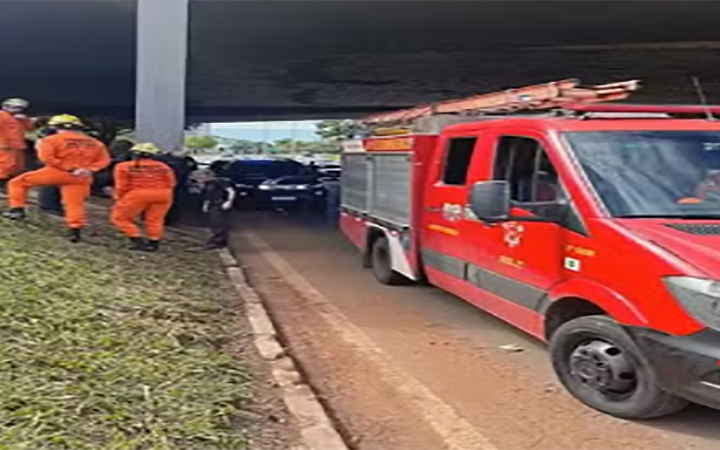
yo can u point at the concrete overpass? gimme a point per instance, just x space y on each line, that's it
295 59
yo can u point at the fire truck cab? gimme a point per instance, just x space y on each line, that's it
597 231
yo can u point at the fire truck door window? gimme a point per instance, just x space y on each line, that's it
457 160
524 163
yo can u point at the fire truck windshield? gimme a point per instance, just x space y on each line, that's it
645 174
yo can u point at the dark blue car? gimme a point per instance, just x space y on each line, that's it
254 178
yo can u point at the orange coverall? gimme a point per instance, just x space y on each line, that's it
12 144
142 186
62 153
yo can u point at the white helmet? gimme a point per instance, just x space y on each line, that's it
15 105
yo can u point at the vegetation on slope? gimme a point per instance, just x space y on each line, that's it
106 350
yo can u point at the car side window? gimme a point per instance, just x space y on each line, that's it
457 160
524 163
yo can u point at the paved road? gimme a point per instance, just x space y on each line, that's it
414 367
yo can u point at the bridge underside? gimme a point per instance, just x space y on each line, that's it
294 59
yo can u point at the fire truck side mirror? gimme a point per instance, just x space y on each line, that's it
490 200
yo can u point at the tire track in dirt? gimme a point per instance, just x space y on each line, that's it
456 432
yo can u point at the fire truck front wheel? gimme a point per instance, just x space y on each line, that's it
600 364
381 259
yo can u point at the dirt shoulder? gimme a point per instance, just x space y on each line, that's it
101 348
369 413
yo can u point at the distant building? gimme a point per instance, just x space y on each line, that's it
204 129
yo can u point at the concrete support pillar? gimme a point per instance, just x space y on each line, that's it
162 35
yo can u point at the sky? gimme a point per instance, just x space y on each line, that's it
266 131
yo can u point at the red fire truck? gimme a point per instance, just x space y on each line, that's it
590 225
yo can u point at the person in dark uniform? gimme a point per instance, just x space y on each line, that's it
119 152
191 163
182 166
219 168
218 196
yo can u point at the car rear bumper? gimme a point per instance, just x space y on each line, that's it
687 366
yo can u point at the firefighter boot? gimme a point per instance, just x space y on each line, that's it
3 186
74 235
152 246
138 244
14 214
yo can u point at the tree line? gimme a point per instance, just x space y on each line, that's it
330 132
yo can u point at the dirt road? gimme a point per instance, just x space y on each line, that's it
416 368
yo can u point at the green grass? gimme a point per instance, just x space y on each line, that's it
106 350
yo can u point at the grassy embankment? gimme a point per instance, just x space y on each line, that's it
106 350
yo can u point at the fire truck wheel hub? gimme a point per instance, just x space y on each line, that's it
604 367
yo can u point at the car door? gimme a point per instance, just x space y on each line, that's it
517 262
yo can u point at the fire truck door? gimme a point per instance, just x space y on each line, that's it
518 262
446 196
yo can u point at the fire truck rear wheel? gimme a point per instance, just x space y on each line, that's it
599 364
382 264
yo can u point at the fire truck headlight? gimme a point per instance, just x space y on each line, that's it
699 297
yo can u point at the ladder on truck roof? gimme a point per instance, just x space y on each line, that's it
554 95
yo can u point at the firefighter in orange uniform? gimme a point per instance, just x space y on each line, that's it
143 186
70 157
13 125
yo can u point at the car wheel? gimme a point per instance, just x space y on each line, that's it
382 264
598 362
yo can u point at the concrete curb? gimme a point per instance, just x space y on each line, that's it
316 428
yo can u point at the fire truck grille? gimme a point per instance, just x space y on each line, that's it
699 229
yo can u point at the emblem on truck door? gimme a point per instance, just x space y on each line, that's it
513 233
452 212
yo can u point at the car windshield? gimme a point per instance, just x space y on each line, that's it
295 180
240 171
673 174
